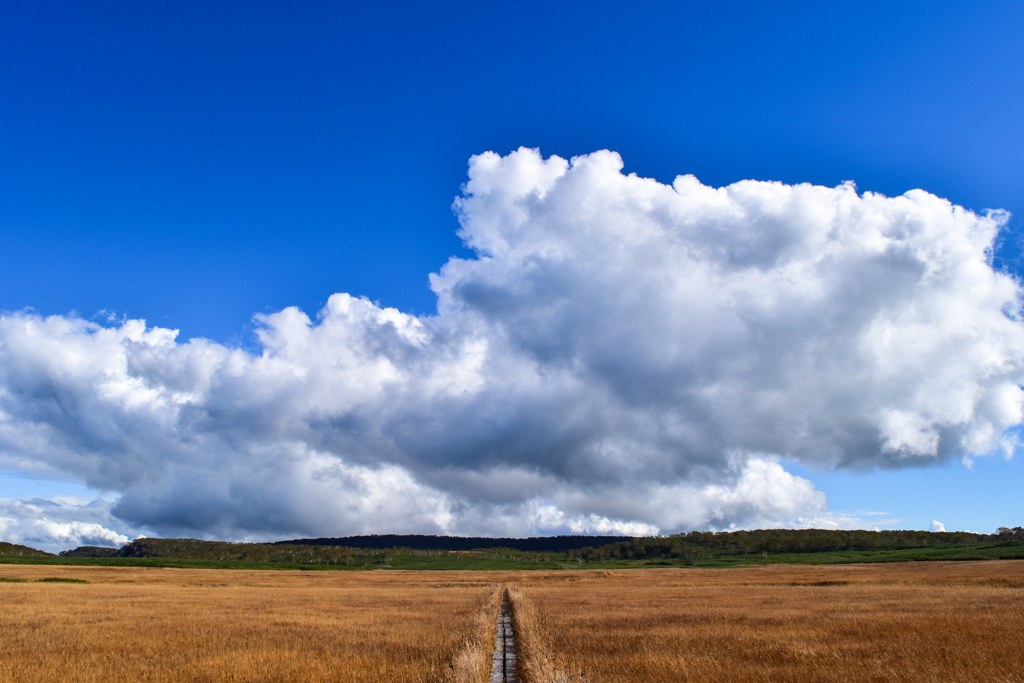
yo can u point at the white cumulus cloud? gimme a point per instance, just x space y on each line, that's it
55 524
620 356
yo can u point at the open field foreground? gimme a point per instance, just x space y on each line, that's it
897 622
134 624
907 622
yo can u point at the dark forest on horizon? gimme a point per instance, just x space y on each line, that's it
698 547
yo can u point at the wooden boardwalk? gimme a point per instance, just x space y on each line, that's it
503 661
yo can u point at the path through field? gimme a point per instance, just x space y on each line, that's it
503 663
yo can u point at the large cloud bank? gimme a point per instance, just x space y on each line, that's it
59 523
620 356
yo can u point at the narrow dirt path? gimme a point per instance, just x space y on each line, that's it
503 661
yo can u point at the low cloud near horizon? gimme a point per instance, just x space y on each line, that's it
621 356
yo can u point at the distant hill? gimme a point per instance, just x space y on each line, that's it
15 549
535 544
421 551
334 550
91 551
697 544
223 551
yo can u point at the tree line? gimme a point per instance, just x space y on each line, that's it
685 546
698 544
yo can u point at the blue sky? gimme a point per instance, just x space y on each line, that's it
194 164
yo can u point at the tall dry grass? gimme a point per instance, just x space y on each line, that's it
472 663
536 662
908 622
134 624
911 622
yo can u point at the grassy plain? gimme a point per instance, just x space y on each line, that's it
139 624
935 621
932 621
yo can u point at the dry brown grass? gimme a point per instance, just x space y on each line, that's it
133 624
534 660
906 622
472 664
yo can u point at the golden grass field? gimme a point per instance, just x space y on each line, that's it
140 624
898 622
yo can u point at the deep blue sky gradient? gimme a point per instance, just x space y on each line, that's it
194 163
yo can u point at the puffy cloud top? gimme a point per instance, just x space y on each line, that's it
621 355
